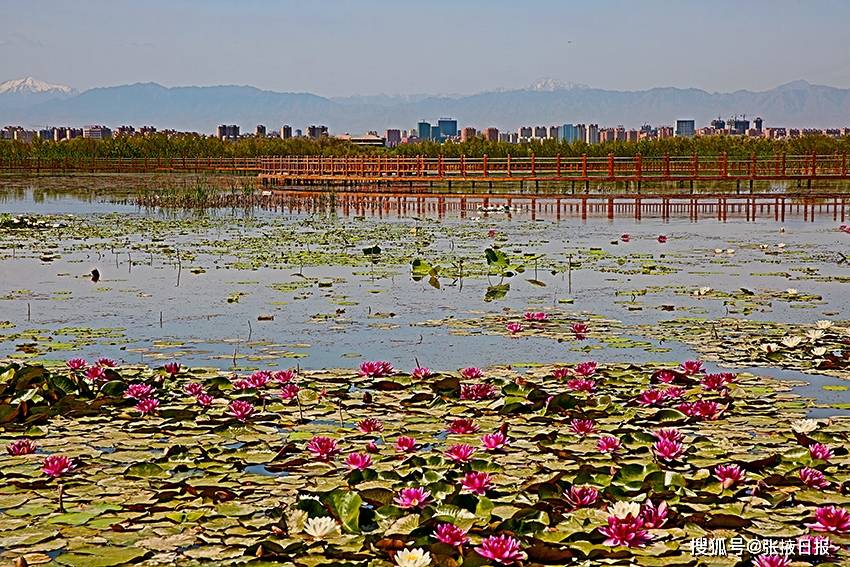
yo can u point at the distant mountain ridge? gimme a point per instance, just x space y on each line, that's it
33 103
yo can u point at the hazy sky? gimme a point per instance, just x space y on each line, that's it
341 47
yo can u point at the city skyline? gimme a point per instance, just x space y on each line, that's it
372 47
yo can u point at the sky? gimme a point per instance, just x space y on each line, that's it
347 47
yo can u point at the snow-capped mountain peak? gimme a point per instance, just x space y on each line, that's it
31 85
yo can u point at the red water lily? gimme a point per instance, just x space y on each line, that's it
494 441
628 531
412 498
76 364
581 385
323 448
421 372
289 390
284 376
728 475
653 516
376 369
535 316
668 450
625 237
476 482
259 379
21 447
358 461
691 367
460 453
240 409
580 330
581 496
96 374
831 519
462 427
561 372
514 328
608 444
503 549
55 466
194 388
820 452
451 534
714 382
471 373
662 239
582 427
370 425
669 433
147 406
477 392
813 478
204 399
105 363
138 391
172 368
405 444
586 369
651 397
665 376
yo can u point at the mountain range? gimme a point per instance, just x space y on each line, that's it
34 103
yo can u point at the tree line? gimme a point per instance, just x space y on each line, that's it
197 146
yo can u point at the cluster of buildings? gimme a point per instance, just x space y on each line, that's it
446 130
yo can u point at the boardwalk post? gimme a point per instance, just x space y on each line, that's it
532 165
462 165
484 166
559 166
509 165
610 166
638 171
584 166
843 164
666 167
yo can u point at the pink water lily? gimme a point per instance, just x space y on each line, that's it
471 373
242 384
494 441
820 452
477 482
460 453
412 498
582 427
370 425
651 397
284 376
714 382
831 519
586 369
728 475
653 516
514 328
534 316
376 369
673 392
626 237
323 448
668 450
580 330
138 391
194 388
628 531
702 409
240 409
259 379
691 367
55 466
813 478
581 385
76 364
503 550
96 374
462 427
421 372
147 406
358 461
581 496
477 392
665 376
451 535
608 444
670 434
172 368
405 444
289 391
105 363
662 239
772 561
204 399
561 372
21 447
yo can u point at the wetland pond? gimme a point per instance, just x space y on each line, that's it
294 429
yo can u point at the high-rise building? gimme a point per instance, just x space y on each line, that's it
568 133
491 134
757 124
260 132
685 129
423 130
393 137
448 127
580 133
540 132
435 133
592 136
738 126
718 124
554 133
524 132
315 132
298 133
285 132
97 132
468 133
225 132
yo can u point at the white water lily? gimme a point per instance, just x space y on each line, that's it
730 250
763 246
804 425
819 351
295 521
769 347
791 291
814 334
823 324
417 557
321 528
718 250
781 245
702 290
792 342
622 509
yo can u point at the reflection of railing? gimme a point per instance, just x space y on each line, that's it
127 165
611 168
